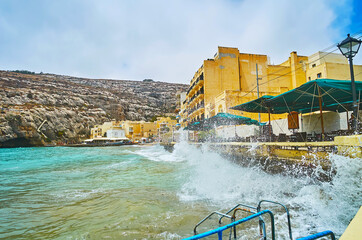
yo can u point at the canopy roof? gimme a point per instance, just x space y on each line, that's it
198 126
336 95
193 126
220 119
229 119
257 105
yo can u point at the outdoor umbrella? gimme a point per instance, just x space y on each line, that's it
258 105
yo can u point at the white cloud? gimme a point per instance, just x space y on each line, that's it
164 40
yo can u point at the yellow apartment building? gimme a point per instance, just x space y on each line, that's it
132 129
136 130
230 78
165 124
183 111
331 65
100 130
149 129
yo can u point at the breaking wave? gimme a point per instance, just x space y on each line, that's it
314 205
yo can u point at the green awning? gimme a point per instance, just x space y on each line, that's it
193 126
257 105
229 119
336 95
197 126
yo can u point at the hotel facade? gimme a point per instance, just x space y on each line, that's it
231 78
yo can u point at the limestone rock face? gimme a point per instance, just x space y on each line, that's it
38 109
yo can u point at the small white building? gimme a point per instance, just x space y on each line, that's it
116 133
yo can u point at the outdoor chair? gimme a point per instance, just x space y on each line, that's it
282 137
301 136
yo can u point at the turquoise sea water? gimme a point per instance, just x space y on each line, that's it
135 192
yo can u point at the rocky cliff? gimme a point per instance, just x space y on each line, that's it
41 108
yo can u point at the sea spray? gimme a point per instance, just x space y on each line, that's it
314 205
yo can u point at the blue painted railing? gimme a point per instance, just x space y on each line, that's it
319 235
286 210
219 231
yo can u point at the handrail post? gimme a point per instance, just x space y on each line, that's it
235 208
286 210
321 111
261 222
233 224
203 220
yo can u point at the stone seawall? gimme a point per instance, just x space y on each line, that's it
292 158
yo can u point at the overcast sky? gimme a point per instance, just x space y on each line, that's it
163 40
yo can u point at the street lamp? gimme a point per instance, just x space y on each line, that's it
349 48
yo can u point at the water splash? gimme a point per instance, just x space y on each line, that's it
314 205
157 153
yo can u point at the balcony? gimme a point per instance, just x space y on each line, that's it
196 95
196 83
199 106
197 119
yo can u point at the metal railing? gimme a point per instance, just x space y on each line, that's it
256 213
208 216
319 235
236 206
219 231
286 210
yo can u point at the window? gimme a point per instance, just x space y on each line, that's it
319 75
313 65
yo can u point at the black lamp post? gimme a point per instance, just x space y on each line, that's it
349 48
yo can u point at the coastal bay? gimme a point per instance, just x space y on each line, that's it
145 192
